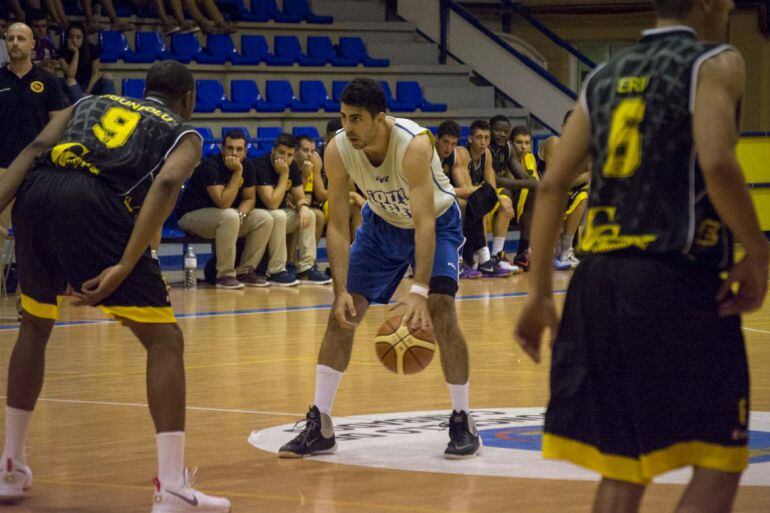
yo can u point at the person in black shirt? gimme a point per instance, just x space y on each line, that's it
218 203
84 215
280 191
29 98
649 371
79 61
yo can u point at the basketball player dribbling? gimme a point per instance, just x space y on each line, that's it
649 369
411 217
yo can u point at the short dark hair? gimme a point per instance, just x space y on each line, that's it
673 8
286 139
448 127
365 93
520 130
234 135
499 119
479 124
37 15
304 137
171 79
333 125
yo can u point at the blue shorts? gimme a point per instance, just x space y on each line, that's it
381 253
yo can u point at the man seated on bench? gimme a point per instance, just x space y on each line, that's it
218 203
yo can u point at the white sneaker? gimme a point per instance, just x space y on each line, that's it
505 265
185 499
15 479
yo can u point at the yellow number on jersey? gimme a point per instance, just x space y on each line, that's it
624 152
116 126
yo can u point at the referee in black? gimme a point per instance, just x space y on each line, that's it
29 97
649 369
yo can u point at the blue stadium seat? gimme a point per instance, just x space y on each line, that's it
312 97
210 95
320 52
210 143
393 104
266 136
269 8
353 48
302 9
288 49
410 92
244 96
114 46
306 130
465 133
219 48
133 87
148 47
185 47
242 13
278 96
253 50
333 105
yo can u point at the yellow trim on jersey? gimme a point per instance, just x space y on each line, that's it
647 466
530 165
42 310
145 314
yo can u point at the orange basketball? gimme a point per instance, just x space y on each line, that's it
402 350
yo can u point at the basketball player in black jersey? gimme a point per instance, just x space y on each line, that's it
109 175
512 176
649 369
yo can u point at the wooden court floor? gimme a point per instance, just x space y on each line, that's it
250 359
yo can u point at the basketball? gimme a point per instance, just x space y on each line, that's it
402 350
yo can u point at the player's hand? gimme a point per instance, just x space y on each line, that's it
345 311
94 290
506 205
281 166
750 275
233 164
535 317
307 170
416 315
305 216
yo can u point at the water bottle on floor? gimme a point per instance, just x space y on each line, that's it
190 268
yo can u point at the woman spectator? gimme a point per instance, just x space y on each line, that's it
79 62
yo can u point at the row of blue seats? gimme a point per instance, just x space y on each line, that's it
279 96
264 138
294 11
151 47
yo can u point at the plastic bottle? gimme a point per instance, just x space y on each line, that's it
190 268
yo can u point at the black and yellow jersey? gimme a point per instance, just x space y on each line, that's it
448 164
647 192
476 171
501 157
122 141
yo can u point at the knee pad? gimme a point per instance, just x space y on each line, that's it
443 285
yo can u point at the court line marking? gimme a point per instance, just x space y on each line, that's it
755 329
257 311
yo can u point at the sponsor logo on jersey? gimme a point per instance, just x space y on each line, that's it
37 87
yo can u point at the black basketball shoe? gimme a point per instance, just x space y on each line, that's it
464 440
317 437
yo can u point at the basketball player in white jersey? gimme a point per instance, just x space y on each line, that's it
411 218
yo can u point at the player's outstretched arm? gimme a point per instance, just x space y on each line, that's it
157 206
539 312
719 92
14 175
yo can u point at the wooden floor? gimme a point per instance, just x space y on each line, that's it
250 365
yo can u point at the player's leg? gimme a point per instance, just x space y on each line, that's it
464 441
524 208
256 228
709 491
576 207
613 496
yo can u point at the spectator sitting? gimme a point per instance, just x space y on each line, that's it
53 8
332 127
79 61
109 7
218 203
310 166
278 178
45 53
4 59
216 25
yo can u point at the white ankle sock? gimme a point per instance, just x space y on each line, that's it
459 395
16 427
170 458
483 255
326 382
498 243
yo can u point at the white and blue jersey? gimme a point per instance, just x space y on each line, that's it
384 244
